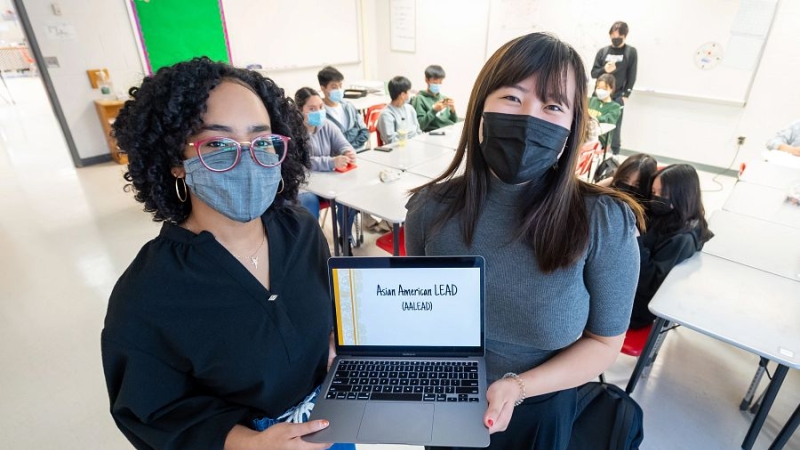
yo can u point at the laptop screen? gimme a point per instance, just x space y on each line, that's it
403 303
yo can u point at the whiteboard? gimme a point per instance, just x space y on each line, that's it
666 34
292 34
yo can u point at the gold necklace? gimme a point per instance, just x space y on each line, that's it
253 258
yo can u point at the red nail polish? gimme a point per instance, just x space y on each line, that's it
491 422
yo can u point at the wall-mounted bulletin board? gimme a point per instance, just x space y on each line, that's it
170 31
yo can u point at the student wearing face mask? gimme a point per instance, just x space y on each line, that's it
434 110
561 254
634 177
676 230
399 117
620 60
602 108
338 110
221 325
328 148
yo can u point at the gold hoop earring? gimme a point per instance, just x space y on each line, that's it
178 190
282 186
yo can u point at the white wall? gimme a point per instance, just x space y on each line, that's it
453 34
103 38
706 133
450 33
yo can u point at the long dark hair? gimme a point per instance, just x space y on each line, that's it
553 218
154 126
641 163
681 185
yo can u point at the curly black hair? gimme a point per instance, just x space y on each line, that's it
154 126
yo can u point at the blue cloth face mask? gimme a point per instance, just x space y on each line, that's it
435 88
336 95
242 193
316 118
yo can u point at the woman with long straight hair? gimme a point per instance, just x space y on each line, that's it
676 230
561 255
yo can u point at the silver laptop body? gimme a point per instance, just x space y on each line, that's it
409 335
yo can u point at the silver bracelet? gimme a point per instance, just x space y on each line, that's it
521 387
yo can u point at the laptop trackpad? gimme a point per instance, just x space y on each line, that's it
392 422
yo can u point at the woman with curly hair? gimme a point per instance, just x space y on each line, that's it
220 326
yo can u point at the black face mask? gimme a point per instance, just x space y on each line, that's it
616 42
660 206
520 148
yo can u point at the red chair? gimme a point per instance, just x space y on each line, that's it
635 341
386 242
372 115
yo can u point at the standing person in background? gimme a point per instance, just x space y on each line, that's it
618 59
399 116
434 110
339 111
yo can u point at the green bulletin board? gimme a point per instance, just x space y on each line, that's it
171 31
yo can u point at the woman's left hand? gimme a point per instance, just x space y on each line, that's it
502 395
331 351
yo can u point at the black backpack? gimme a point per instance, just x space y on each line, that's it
606 419
606 169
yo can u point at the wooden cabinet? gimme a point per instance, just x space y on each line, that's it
107 110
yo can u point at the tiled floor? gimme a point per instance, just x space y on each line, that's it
66 235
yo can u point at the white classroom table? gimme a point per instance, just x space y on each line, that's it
436 167
450 139
384 200
415 152
329 185
756 243
764 173
763 202
748 308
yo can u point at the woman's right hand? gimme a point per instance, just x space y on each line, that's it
340 162
286 436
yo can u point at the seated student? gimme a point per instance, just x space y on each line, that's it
676 230
634 177
787 140
398 116
784 148
341 112
434 110
329 149
601 107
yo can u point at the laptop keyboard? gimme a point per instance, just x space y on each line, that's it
424 381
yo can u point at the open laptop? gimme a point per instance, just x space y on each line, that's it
409 335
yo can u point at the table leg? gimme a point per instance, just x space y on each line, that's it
787 431
346 232
396 239
335 227
763 411
751 391
2 77
644 358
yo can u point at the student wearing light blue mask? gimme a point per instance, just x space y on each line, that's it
339 111
434 110
329 148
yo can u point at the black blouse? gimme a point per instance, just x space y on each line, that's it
193 345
